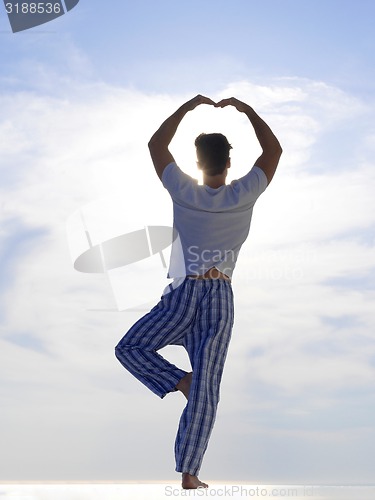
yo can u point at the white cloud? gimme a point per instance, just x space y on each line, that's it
67 152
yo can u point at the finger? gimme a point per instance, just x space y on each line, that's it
223 103
200 99
206 100
210 101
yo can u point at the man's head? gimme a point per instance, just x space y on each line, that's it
213 153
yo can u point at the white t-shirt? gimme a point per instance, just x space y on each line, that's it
210 225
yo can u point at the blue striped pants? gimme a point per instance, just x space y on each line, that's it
197 315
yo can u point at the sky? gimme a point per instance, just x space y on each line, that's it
80 97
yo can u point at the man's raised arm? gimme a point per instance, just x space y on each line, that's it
272 150
159 142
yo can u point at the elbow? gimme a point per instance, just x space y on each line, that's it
273 149
278 151
152 146
151 143
154 139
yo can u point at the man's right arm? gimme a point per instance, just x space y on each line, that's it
269 159
159 142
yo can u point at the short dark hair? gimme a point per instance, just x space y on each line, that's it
213 152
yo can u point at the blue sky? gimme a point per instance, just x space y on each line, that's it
137 43
80 97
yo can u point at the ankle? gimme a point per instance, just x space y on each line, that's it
184 384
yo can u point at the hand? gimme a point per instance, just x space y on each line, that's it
232 101
197 100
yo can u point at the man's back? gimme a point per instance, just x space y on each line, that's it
211 224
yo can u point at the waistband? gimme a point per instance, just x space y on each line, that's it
212 273
179 281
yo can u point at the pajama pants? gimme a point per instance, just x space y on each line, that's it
197 315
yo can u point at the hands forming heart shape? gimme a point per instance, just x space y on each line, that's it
231 101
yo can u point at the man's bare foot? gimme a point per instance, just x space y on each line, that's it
184 384
190 482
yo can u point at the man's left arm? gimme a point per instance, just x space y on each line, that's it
269 159
159 142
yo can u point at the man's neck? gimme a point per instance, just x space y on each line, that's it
214 181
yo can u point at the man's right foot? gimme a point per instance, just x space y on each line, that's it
190 482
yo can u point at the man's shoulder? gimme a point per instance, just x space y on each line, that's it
173 176
254 172
254 180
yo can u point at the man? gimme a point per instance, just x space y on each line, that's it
212 221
